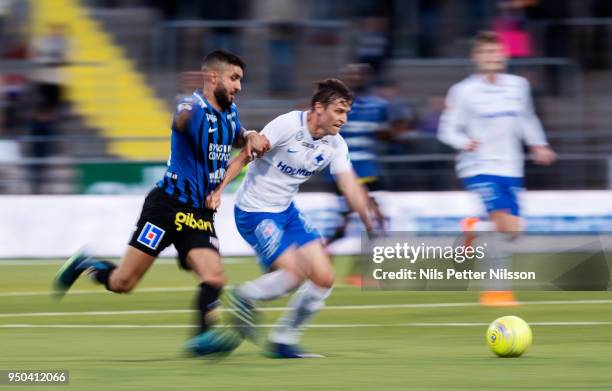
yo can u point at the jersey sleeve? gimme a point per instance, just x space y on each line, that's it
533 133
184 104
341 161
454 119
278 132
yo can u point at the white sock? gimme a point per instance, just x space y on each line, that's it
304 304
269 286
500 257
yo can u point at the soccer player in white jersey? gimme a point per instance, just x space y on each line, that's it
488 118
289 249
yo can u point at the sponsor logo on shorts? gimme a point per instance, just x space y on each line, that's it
150 236
188 220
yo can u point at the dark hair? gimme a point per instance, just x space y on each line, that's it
221 56
485 37
328 90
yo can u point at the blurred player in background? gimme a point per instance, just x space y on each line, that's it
366 126
204 128
488 117
289 249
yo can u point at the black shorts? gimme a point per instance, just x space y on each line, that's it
165 220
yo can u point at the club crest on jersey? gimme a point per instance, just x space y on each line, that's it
150 236
299 135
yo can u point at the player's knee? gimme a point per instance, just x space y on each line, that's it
325 279
122 284
216 279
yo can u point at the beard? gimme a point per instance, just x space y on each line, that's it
222 97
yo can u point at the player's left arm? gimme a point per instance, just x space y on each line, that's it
356 196
213 201
354 192
533 133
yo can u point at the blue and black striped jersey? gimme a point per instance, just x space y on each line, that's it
200 154
369 114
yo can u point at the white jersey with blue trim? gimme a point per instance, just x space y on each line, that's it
499 116
294 156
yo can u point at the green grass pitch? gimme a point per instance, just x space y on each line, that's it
372 340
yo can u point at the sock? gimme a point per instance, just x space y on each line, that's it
101 271
304 305
500 257
206 301
270 286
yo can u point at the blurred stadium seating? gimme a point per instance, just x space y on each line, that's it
126 58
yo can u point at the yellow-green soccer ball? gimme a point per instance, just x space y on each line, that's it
509 336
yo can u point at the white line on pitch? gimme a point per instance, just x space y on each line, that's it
276 309
321 326
97 291
160 261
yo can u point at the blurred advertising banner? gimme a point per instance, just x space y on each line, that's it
55 226
124 178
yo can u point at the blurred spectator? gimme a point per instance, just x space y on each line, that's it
282 17
50 55
402 119
510 26
4 13
430 26
373 45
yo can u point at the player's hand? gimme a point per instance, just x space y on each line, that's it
256 145
377 215
213 201
543 154
472 146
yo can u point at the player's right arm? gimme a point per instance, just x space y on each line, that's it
454 119
182 115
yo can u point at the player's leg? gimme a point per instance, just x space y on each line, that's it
121 278
207 266
503 208
277 255
375 191
316 266
151 236
305 303
266 233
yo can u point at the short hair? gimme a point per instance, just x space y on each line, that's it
328 90
485 37
217 57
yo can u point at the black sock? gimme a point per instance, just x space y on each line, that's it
206 301
102 271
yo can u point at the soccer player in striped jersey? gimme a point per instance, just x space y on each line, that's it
367 123
488 118
204 128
